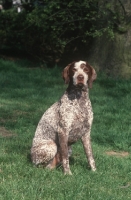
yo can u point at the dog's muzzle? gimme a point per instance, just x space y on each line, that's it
80 79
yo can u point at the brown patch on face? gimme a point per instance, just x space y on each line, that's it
119 154
68 72
72 70
84 67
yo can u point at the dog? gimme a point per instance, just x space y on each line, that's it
66 121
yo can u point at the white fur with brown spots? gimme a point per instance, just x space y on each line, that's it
66 121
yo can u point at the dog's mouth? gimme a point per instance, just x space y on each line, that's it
81 84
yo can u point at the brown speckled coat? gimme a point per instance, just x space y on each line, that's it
66 121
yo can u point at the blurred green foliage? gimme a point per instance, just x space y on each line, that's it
51 28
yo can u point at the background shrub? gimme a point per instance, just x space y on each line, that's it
52 28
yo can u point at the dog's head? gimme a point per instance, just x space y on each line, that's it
79 74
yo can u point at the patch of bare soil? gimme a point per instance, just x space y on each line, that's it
119 154
5 133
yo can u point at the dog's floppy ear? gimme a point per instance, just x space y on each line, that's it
65 73
92 76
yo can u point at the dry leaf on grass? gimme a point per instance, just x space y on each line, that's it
115 153
5 133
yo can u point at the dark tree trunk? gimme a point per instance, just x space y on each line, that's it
114 56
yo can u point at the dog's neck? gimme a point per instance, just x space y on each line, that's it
77 92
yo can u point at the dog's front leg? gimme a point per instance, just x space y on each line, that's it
63 141
88 150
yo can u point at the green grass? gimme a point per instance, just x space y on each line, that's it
25 93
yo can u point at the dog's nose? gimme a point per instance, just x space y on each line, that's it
80 77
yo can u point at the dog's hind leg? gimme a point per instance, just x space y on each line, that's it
57 160
43 151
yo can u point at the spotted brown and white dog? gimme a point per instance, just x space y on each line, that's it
66 121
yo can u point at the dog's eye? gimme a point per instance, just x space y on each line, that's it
86 70
74 70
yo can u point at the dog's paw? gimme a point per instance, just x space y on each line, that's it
68 172
93 169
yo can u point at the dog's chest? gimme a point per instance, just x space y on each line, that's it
75 117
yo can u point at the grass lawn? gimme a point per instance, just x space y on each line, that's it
25 93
